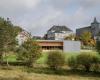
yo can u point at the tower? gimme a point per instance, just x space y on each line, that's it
95 27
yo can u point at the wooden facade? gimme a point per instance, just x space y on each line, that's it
51 45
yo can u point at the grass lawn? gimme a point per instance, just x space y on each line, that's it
10 58
43 58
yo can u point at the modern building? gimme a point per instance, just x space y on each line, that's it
58 33
63 45
94 29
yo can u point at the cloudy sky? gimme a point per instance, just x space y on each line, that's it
37 16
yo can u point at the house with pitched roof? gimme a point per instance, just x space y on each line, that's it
58 32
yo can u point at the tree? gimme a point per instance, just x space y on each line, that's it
70 37
17 29
7 36
55 59
85 38
1 44
92 42
29 52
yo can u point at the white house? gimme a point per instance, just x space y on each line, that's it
58 32
22 37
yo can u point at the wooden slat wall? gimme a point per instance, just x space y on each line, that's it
50 43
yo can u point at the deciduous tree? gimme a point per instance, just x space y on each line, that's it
7 36
29 51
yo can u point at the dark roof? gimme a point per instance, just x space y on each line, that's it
59 28
88 27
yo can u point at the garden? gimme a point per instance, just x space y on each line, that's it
54 65
28 62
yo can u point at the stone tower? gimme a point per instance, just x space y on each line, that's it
95 27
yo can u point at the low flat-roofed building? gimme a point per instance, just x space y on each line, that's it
51 44
64 45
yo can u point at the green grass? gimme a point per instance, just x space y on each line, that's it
43 58
10 58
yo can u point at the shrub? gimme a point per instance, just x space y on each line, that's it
96 67
55 59
72 62
87 60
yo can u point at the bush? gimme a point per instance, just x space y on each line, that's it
96 67
87 60
72 62
55 59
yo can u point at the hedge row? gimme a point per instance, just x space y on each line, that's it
84 61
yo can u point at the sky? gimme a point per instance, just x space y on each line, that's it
37 16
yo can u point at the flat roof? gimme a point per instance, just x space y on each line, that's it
56 40
50 40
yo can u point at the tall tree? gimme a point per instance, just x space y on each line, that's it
7 36
1 41
17 29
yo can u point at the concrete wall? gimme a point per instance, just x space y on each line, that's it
71 46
